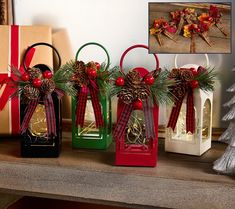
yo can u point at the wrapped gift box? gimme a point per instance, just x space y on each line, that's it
14 41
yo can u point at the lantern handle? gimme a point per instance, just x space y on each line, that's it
206 56
38 44
133 47
97 44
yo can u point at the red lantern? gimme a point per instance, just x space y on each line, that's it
137 154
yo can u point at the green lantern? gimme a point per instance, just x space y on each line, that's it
91 108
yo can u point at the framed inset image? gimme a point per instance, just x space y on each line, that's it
190 27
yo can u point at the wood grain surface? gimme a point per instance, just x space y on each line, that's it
178 181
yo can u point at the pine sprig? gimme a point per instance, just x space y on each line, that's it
103 79
62 78
115 72
160 88
206 79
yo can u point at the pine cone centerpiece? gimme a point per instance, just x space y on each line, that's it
30 92
80 77
34 73
48 86
135 88
133 78
126 95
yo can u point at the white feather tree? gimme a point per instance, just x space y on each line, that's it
226 163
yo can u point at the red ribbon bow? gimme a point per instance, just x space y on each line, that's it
50 112
190 113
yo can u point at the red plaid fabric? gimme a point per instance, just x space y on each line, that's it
190 114
122 121
149 120
81 106
29 113
175 113
97 107
50 115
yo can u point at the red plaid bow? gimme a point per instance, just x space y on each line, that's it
190 114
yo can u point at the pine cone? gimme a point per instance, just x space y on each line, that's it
91 65
133 78
34 73
126 95
141 93
48 86
80 77
79 66
30 92
175 73
186 74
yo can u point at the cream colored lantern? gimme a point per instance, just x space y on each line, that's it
178 140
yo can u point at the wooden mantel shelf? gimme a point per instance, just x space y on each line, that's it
179 181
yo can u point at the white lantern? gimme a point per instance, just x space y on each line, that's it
178 140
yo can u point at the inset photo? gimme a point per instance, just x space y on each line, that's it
190 27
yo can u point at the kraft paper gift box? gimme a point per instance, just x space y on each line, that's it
14 41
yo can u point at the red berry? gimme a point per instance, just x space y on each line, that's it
138 105
97 65
37 82
194 84
194 71
25 77
149 80
91 72
47 74
120 81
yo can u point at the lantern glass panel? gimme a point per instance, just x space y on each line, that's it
38 123
89 128
180 132
206 124
135 131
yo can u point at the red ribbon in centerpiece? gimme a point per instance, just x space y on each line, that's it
123 120
85 80
190 114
